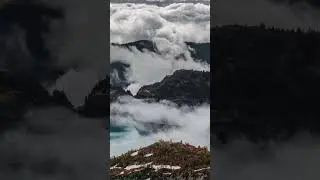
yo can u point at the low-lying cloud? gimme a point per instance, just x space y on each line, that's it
191 125
55 143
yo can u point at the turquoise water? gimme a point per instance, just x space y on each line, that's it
118 131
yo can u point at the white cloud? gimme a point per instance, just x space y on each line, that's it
175 22
132 113
147 68
54 143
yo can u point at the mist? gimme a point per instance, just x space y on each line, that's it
188 124
54 143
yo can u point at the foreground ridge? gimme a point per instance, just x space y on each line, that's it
162 160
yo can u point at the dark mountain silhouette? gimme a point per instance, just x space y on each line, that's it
140 45
97 103
198 51
183 87
265 82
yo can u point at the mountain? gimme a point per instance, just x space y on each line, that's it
162 160
97 103
265 82
140 45
182 87
199 51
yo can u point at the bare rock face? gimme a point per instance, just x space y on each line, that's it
183 87
265 82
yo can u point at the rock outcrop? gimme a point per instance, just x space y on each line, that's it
183 87
97 103
141 45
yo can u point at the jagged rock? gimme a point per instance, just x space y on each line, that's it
199 51
60 98
183 87
265 82
140 45
97 103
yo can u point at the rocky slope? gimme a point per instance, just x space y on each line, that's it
97 103
265 82
162 160
184 87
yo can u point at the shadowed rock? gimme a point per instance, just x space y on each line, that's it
97 103
184 87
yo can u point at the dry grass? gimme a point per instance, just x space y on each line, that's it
188 157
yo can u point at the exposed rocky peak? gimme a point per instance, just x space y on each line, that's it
182 87
97 103
141 45
199 51
266 82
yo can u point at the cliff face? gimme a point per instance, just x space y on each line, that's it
265 82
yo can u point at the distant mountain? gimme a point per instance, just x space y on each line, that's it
97 103
265 82
182 87
199 51
162 160
140 45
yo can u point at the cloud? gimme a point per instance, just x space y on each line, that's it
54 143
194 123
147 68
175 23
296 159
80 43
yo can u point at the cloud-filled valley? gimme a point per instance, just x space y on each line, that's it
168 27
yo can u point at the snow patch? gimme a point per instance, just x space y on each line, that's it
135 166
115 167
158 167
135 153
197 170
148 155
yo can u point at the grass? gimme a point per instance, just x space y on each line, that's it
186 156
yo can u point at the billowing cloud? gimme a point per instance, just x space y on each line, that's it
54 143
193 124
